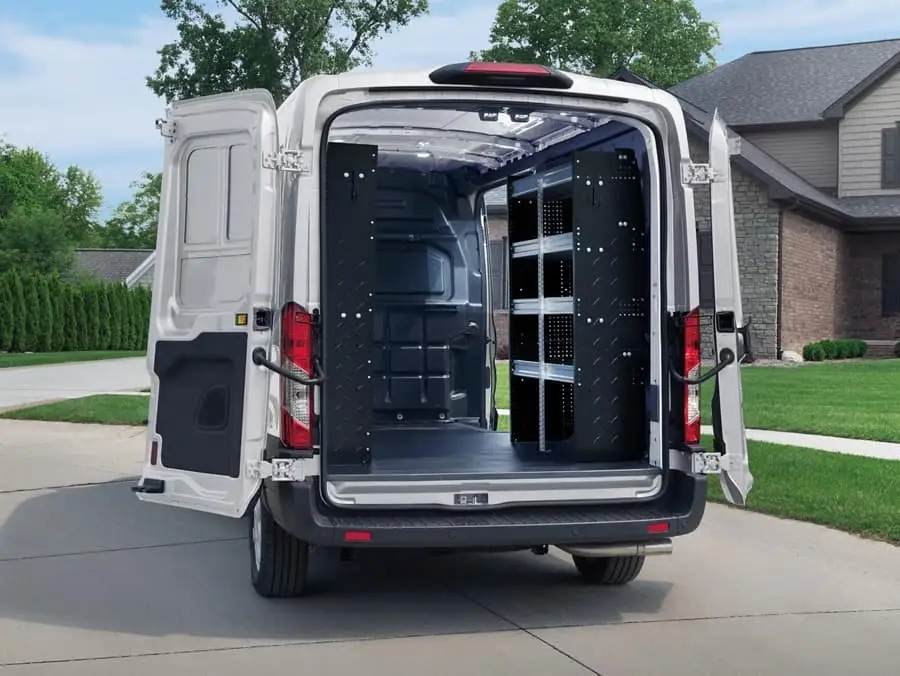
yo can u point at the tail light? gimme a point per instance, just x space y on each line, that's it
297 414
692 371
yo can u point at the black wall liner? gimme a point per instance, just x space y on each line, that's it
201 402
612 288
348 274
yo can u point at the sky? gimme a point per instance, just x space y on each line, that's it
72 71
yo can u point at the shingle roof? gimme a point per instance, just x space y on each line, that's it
109 265
795 85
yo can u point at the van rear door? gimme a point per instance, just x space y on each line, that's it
212 302
729 327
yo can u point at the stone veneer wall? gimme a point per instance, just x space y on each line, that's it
757 224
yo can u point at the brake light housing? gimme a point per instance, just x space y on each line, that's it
692 371
497 74
297 401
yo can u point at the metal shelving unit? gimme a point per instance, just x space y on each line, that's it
582 226
546 289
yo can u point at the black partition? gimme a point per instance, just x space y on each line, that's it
611 331
348 276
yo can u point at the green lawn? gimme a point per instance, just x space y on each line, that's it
104 409
11 360
856 400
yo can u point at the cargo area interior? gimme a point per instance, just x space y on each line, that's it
407 336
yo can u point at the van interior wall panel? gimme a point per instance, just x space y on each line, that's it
612 282
199 415
348 274
430 335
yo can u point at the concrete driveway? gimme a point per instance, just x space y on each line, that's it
93 582
20 386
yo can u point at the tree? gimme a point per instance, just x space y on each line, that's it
60 314
665 41
31 184
273 44
19 313
45 316
133 222
7 318
105 318
35 240
32 323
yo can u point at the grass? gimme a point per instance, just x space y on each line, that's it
14 359
855 400
103 409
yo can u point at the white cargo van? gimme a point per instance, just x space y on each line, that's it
322 343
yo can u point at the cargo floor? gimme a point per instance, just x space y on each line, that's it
457 450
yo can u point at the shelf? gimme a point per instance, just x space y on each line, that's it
547 306
560 373
553 244
529 184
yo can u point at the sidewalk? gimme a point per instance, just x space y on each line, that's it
860 447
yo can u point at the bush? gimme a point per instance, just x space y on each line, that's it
40 313
897 349
814 352
835 349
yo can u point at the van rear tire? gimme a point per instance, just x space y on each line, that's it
279 562
611 571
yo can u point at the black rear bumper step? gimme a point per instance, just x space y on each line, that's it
298 508
150 486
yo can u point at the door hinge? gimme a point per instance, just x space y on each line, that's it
291 161
699 174
166 128
283 469
701 463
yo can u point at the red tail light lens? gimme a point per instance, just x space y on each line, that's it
692 371
487 68
297 414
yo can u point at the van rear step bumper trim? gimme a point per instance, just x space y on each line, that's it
632 485
300 510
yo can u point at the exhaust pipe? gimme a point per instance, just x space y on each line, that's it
626 549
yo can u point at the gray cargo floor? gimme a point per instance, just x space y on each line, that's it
454 449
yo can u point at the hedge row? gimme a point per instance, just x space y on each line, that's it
46 314
823 350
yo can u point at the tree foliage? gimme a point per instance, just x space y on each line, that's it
665 41
44 212
133 222
271 44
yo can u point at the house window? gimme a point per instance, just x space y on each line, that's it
707 282
890 157
890 284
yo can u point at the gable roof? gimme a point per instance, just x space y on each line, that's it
109 265
792 85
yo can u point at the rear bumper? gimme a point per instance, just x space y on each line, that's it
299 509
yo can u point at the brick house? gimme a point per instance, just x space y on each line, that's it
816 190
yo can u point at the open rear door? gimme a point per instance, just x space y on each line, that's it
212 303
729 327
